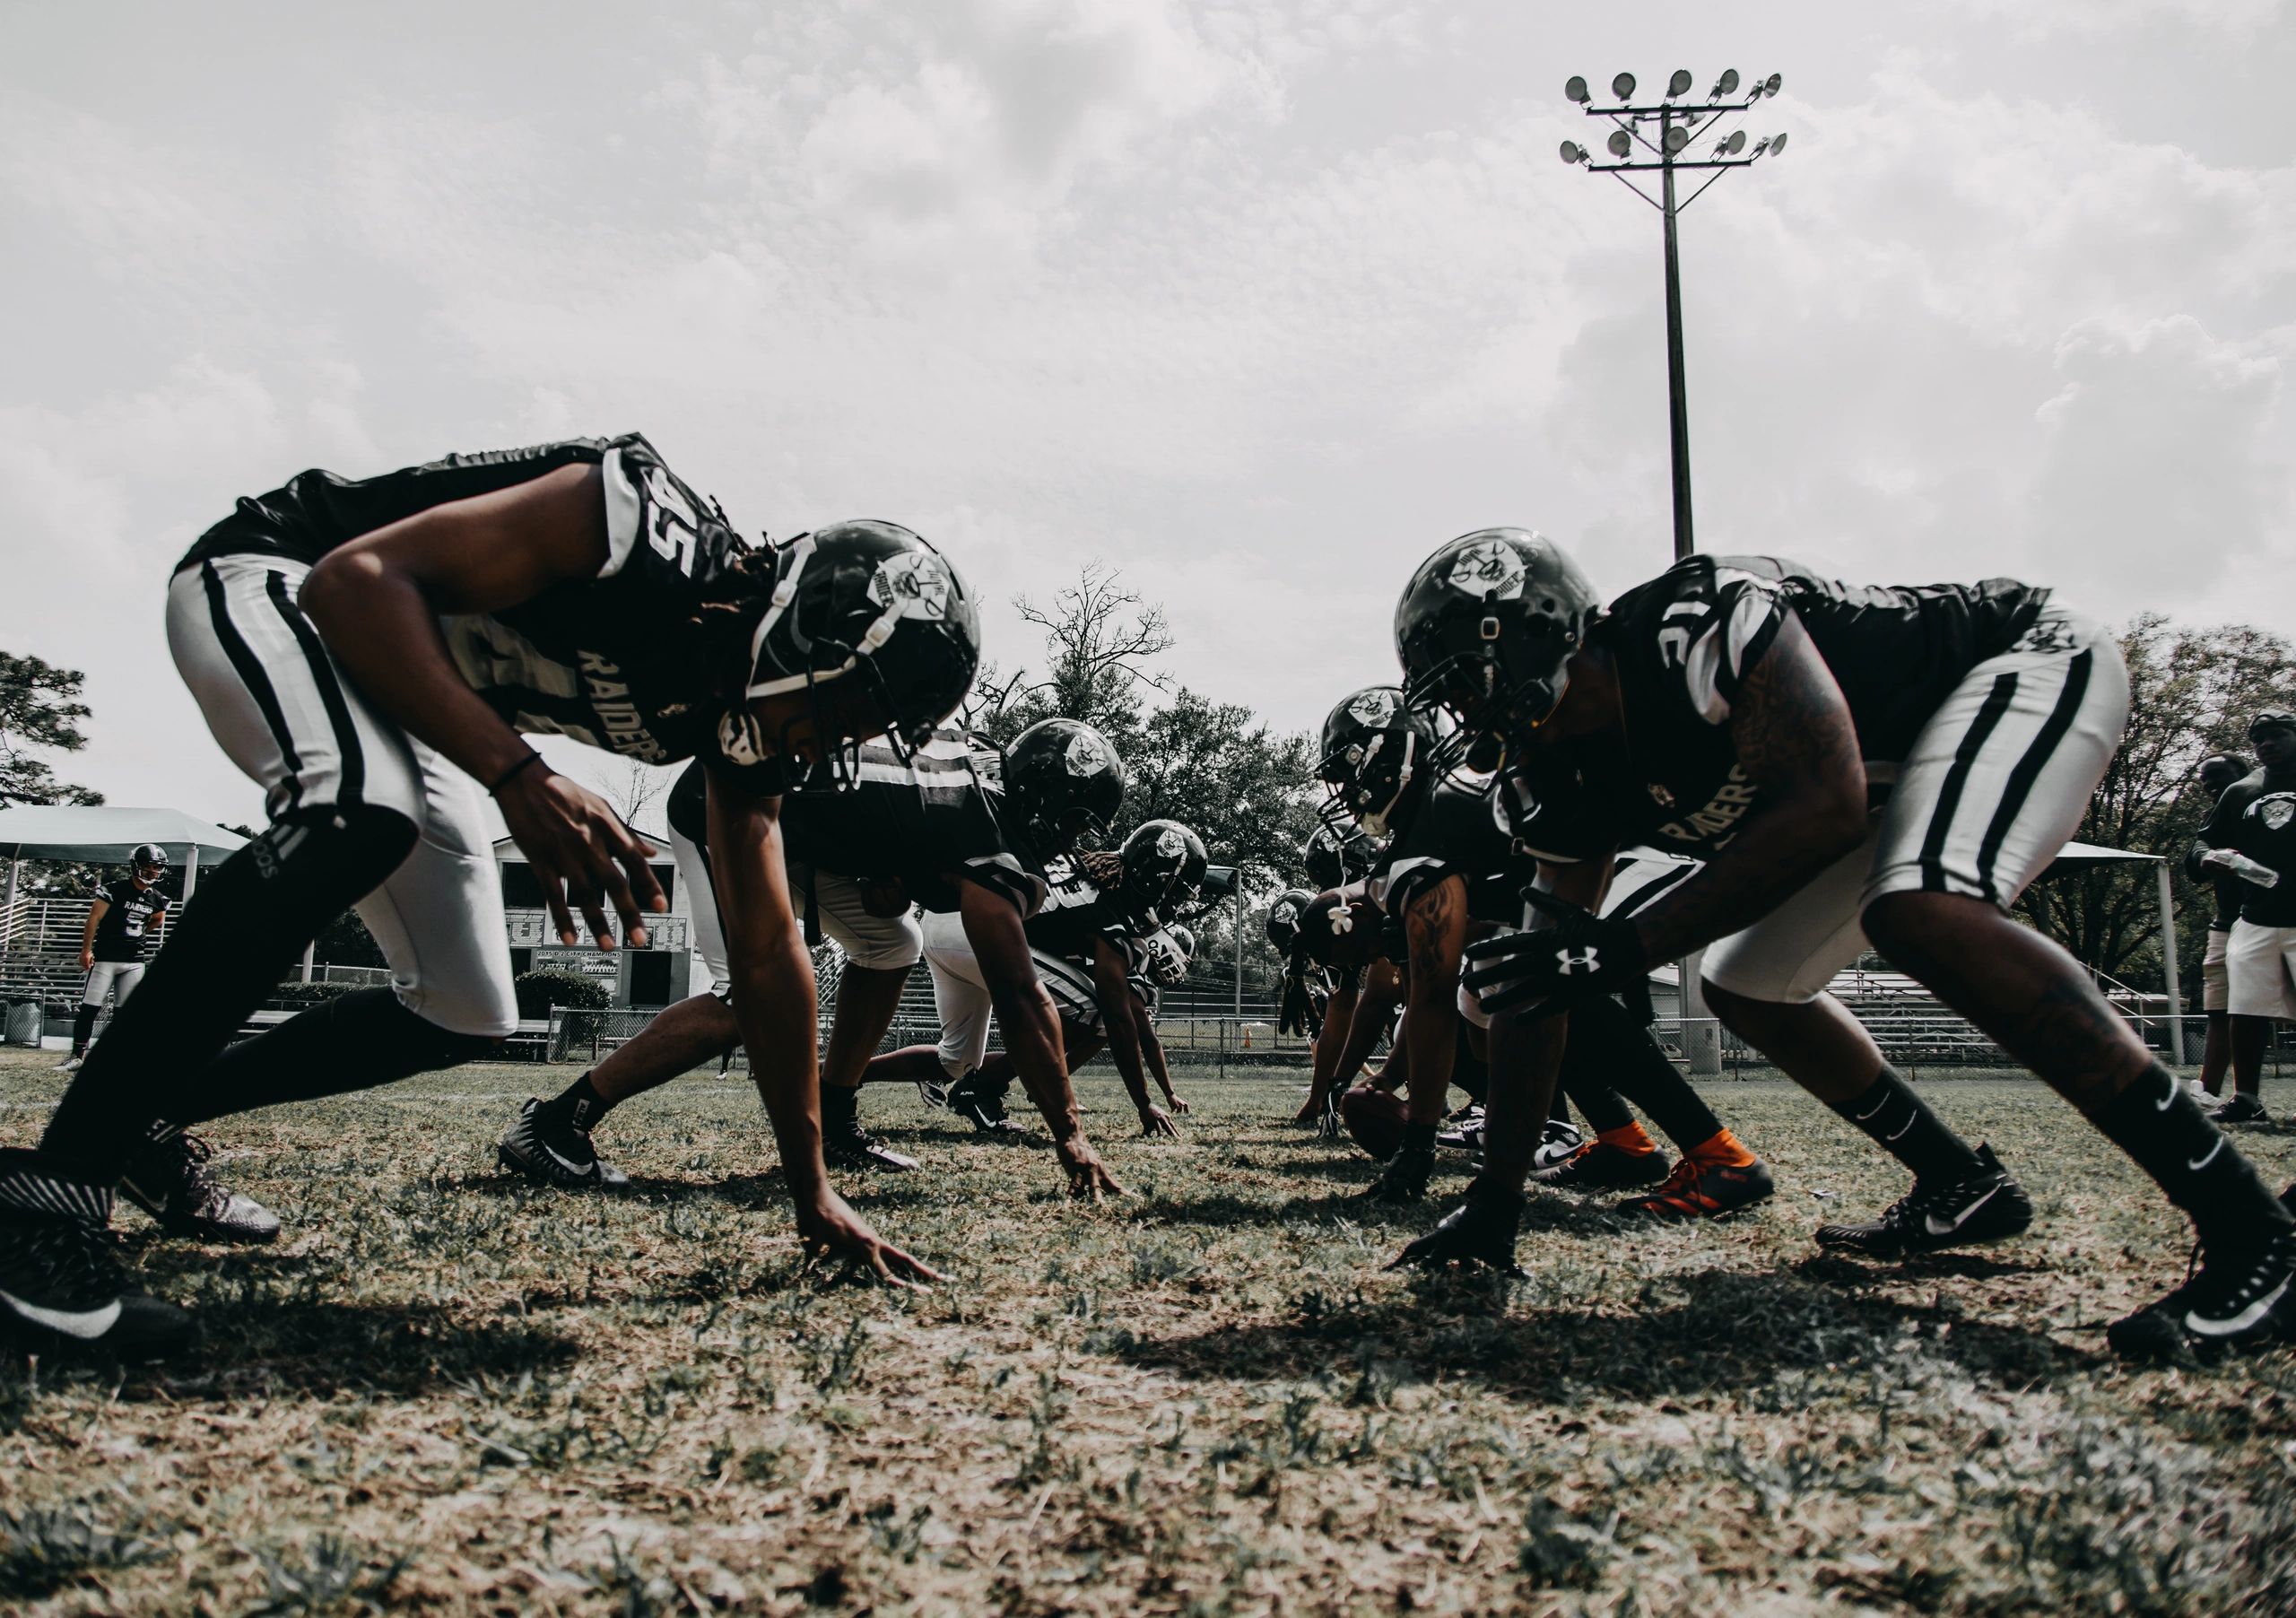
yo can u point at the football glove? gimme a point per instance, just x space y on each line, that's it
1298 1012
1582 954
1482 1229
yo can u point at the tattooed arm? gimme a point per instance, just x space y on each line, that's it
1797 745
1436 926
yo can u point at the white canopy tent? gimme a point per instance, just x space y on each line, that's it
101 834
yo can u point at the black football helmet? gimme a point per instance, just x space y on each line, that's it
1375 762
876 626
150 861
1283 917
1486 628
2219 770
1063 784
1164 864
1333 858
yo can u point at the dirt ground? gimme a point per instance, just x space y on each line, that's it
443 1391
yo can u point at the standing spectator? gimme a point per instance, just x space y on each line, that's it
2217 772
123 924
2253 835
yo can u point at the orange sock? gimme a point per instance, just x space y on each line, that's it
1628 1138
1724 1149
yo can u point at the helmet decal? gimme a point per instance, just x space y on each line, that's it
914 584
1087 754
1374 706
1489 568
738 738
1170 844
1286 912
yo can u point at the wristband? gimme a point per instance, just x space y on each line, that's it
512 774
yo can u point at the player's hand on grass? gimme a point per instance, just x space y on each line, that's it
582 854
1156 1123
1089 1178
1480 1231
829 1229
1177 1103
1309 1111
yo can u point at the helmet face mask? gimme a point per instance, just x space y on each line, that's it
1486 629
1374 762
869 632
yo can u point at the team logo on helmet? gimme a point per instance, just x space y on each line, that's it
1488 568
1286 913
2275 812
1087 754
1170 844
914 584
1375 706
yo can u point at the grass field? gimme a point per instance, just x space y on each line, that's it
443 1391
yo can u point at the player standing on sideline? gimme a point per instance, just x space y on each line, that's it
945 828
365 651
124 927
1742 708
2217 772
2252 834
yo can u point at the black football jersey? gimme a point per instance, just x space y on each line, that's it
1459 831
2257 817
1076 912
607 661
1682 646
131 916
926 821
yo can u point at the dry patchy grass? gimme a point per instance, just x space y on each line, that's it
444 1391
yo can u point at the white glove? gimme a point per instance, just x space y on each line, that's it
2242 867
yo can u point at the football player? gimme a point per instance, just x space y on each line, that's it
1451 873
945 828
2216 774
2252 837
366 649
1744 710
124 927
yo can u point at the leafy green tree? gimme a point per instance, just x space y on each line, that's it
40 709
2192 692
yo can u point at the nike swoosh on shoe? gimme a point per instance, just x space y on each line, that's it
580 1170
2210 1158
87 1325
1947 1227
2247 1319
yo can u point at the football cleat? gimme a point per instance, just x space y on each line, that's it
1465 1133
2242 1110
1697 1189
984 1106
2227 1303
857 1148
170 1180
1403 1178
1557 1141
1599 1166
933 1093
549 1151
1985 1206
70 1064
61 1284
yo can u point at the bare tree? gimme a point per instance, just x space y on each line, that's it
1099 641
632 787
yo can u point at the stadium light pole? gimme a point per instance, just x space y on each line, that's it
1677 124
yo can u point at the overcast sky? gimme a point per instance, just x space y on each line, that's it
1258 301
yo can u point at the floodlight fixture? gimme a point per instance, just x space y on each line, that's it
1573 153
1727 84
1575 90
1772 84
1678 85
1777 145
1676 139
1621 144
1623 86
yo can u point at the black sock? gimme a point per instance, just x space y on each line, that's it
1901 1124
580 1105
2156 1122
839 1104
355 1041
237 937
1582 1078
1419 1138
1641 1072
83 1028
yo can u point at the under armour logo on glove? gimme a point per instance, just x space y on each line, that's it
1580 955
